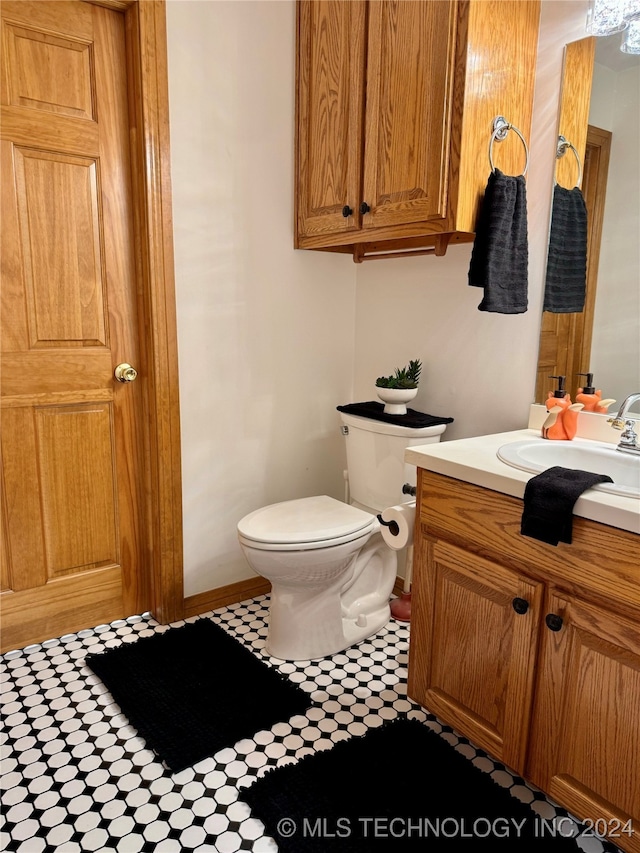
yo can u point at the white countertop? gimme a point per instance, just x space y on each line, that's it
475 460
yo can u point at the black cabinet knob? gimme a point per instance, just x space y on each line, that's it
520 605
364 207
347 211
554 622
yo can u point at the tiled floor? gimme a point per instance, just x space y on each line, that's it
75 777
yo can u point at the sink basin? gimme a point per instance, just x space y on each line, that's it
538 454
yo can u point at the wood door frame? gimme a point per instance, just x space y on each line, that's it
594 184
148 95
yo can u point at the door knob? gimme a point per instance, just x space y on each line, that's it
125 373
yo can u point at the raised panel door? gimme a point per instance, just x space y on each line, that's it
330 91
472 654
410 63
73 474
585 737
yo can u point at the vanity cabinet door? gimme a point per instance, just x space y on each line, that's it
585 738
473 647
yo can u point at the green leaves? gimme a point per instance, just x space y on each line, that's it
406 377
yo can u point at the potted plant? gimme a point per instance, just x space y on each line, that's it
396 390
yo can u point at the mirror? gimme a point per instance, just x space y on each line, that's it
599 110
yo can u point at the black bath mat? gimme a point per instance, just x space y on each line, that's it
194 690
400 787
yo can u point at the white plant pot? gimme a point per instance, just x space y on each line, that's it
395 399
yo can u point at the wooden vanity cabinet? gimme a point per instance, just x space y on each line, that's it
395 101
532 651
584 748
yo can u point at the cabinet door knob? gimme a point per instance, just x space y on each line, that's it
554 622
347 211
520 605
364 207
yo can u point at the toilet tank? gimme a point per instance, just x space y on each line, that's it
375 459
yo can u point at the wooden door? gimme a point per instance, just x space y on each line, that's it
585 738
410 60
478 668
555 355
330 92
72 442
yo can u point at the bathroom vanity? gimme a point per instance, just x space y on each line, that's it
532 651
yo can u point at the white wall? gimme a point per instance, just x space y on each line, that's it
265 333
615 348
270 339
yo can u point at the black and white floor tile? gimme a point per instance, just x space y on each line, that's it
76 777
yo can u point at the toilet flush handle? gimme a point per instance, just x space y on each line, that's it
408 489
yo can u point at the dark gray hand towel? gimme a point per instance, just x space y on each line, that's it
549 499
500 255
565 288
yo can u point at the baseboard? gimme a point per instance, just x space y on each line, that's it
212 599
202 602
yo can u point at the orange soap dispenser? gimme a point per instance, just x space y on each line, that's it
562 421
590 398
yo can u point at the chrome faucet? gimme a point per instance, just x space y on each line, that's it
628 440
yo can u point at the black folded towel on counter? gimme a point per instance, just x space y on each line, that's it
500 255
376 412
566 283
549 499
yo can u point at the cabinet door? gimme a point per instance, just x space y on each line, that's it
472 654
585 741
330 93
410 63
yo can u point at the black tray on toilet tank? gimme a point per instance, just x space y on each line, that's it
375 411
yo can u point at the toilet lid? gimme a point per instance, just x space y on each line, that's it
315 519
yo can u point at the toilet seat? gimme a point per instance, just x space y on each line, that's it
305 524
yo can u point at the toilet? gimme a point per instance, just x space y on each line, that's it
330 570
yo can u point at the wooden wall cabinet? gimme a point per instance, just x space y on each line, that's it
395 101
532 651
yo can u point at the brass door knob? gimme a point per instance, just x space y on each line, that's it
125 373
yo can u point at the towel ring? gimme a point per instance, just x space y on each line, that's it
561 150
501 128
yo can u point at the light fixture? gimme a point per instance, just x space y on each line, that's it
606 17
631 9
631 40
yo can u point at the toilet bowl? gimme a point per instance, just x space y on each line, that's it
331 574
